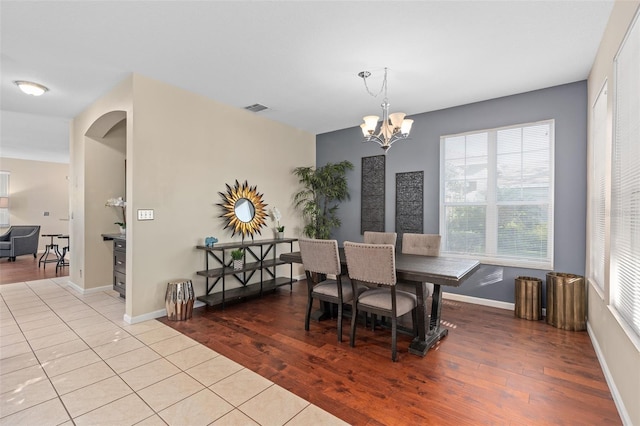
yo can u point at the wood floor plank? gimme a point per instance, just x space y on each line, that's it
492 368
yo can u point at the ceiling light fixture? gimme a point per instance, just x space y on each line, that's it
393 127
31 88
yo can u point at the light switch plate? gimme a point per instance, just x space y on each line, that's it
146 214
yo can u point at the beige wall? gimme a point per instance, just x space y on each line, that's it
619 349
182 149
95 177
37 187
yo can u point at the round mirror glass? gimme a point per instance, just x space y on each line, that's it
244 210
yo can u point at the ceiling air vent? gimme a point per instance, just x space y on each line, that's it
255 108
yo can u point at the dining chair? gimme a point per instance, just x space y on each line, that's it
372 237
374 265
423 245
321 258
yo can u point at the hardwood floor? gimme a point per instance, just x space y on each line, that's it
25 268
491 369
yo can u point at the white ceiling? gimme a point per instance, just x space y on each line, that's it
299 58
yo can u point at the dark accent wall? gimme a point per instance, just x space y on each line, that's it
567 104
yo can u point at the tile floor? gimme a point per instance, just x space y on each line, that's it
70 359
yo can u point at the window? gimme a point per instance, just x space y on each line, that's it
625 183
597 189
4 199
496 195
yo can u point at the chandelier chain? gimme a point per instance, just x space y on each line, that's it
382 88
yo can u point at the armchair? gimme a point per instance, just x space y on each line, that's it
19 240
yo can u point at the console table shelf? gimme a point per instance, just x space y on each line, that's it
218 272
262 259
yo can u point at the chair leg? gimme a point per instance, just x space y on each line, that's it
394 332
354 318
339 322
308 315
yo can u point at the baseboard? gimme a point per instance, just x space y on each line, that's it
478 301
617 399
145 317
81 290
155 314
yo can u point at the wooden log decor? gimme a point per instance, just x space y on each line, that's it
528 298
566 301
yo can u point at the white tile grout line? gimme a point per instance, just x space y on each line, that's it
32 286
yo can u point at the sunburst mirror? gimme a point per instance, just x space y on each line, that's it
244 209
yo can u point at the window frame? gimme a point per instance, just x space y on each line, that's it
492 205
5 180
621 286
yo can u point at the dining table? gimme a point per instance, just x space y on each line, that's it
420 270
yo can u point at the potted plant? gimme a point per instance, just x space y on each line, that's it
121 205
237 256
323 190
277 216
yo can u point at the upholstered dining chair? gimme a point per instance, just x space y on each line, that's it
321 258
374 265
372 237
423 245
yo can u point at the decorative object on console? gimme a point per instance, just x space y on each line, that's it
277 216
323 189
244 209
122 205
237 256
210 241
394 127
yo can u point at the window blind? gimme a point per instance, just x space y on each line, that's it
625 184
497 195
4 192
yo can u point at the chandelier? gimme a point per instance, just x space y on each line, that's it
393 126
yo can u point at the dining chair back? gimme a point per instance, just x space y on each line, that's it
321 258
423 245
372 237
374 265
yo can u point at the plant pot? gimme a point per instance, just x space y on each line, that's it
123 230
237 264
280 235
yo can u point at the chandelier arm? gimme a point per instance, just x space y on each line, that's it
389 131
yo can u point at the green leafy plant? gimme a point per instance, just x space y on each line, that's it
323 190
237 254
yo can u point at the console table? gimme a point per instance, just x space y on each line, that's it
259 256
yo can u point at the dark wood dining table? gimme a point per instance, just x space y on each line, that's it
419 270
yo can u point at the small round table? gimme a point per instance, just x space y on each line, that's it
61 261
44 259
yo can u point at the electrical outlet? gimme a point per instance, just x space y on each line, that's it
145 214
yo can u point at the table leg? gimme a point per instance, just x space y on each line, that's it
421 344
44 255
